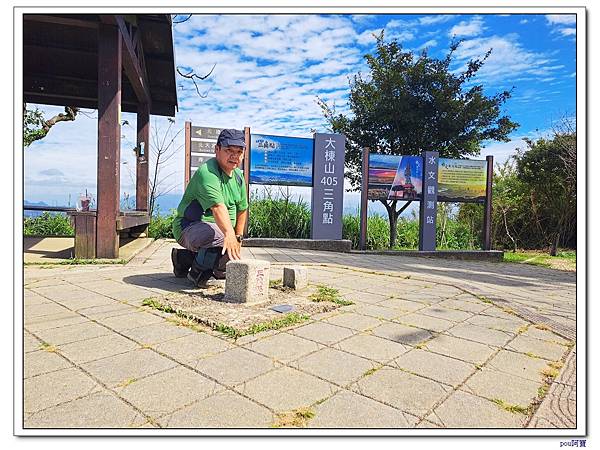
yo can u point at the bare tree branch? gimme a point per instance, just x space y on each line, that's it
175 22
192 76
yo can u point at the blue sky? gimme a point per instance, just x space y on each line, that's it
270 69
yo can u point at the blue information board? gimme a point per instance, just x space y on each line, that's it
281 160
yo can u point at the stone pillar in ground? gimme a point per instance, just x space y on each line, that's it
295 277
247 281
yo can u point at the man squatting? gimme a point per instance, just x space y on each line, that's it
212 213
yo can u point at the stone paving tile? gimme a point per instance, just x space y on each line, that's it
157 333
235 366
42 361
168 391
44 309
285 389
97 348
223 410
426 322
324 333
464 305
402 333
434 366
407 392
31 298
284 347
463 349
195 346
335 366
57 387
30 342
372 347
99 410
480 334
53 321
365 297
128 321
403 305
511 326
518 364
118 369
492 384
75 298
546 350
427 424
445 313
379 312
481 413
104 311
72 333
357 322
545 335
350 410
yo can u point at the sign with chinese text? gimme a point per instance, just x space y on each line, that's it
202 146
328 187
427 211
461 180
281 160
395 177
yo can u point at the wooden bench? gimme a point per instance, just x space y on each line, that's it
129 223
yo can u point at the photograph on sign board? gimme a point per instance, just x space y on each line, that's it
407 184
281 160
394 177
461 180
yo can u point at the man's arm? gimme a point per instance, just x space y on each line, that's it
240 223
230 243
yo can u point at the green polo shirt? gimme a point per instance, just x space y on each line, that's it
208 187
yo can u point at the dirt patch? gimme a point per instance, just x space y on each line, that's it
208 306
562 264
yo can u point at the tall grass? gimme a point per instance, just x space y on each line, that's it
48 225
278 217
162 226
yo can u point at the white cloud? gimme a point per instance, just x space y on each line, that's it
432 20
428 44
568 31
472 28
508 60
561 19
523 21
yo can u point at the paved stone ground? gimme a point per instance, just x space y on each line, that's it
422 346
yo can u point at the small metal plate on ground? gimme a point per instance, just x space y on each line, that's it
282 308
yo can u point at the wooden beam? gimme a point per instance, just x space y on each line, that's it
126 222
142 160
132 62
109 139
364 200
61 20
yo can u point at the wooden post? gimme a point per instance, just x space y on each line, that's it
84 223
247 175
143 143
109 140
364 200
487 213
188 154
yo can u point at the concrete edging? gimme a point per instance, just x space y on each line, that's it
477 255
342 245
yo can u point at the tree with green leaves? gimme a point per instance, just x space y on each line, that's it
36 127
548 167
410 103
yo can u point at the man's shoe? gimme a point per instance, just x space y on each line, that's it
198 275
219 271
182 261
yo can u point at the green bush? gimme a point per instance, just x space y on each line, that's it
278 218
48 225
162 226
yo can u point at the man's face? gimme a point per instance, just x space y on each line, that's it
229 157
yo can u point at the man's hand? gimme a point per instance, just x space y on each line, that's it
231 246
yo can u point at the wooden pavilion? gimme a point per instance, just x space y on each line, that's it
78 60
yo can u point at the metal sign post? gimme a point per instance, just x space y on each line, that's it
428 209
487 212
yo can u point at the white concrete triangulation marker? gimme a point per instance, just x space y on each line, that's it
247 281
295 277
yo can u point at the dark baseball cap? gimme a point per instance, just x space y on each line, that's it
229 137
